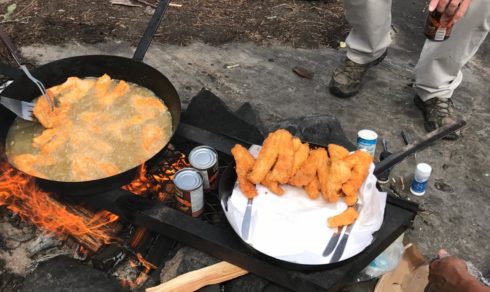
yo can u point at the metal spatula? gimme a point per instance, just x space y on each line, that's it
21 108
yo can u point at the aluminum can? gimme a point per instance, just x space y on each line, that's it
189 191
205 160
366 140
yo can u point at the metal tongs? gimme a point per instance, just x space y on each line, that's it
11 48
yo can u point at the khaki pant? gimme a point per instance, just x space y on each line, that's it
438 71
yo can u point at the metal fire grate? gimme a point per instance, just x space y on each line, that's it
212 234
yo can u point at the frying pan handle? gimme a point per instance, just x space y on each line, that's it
428 139
10 46
150 31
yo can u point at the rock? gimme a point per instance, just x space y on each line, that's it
66 274
318 129
185 260
9 282
246 283
443 187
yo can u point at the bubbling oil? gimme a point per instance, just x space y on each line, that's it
97 139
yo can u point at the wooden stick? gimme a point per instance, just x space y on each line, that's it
192 281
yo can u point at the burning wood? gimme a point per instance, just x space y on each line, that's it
158 183
19 194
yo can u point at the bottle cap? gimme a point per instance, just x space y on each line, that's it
423 169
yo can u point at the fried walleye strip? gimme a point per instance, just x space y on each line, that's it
337 151
267 157
313 189
296 143
345 218
285 158
244 164
323 170
338 174
360 170
272 185
307 171
119 90
102 85
300 156
43 112
59 115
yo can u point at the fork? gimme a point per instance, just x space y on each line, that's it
22 109
11 48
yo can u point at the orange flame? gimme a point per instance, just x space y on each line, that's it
157 183
19 193
142 277
148 266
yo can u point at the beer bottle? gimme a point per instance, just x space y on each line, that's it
435 30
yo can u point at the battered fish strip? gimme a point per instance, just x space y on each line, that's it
281 172
27 163
296 143
337 152
81 166
152 137
307 171
102 85
244 164
267 157
313 189
148 107
323 170
78 89
272 185
359 173
119 90
338 174
347 217
300 156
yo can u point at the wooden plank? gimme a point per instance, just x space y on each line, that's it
192 281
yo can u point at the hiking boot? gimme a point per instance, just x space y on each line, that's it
347 78
437 112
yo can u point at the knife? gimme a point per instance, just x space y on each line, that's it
343 241
332 243
246 220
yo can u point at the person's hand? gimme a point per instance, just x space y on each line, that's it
452 10
449 273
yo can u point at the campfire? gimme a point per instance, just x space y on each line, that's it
100 235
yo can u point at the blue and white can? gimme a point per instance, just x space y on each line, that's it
366 140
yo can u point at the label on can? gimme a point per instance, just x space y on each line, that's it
205 160
210 178
189 191
366 140
419 187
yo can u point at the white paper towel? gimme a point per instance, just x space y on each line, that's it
292 227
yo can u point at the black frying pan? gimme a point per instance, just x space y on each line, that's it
229 178
131 70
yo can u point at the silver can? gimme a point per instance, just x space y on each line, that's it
189 191
205 160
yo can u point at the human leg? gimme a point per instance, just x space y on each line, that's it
438 72
366 44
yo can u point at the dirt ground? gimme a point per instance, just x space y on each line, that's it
264 78
297 23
